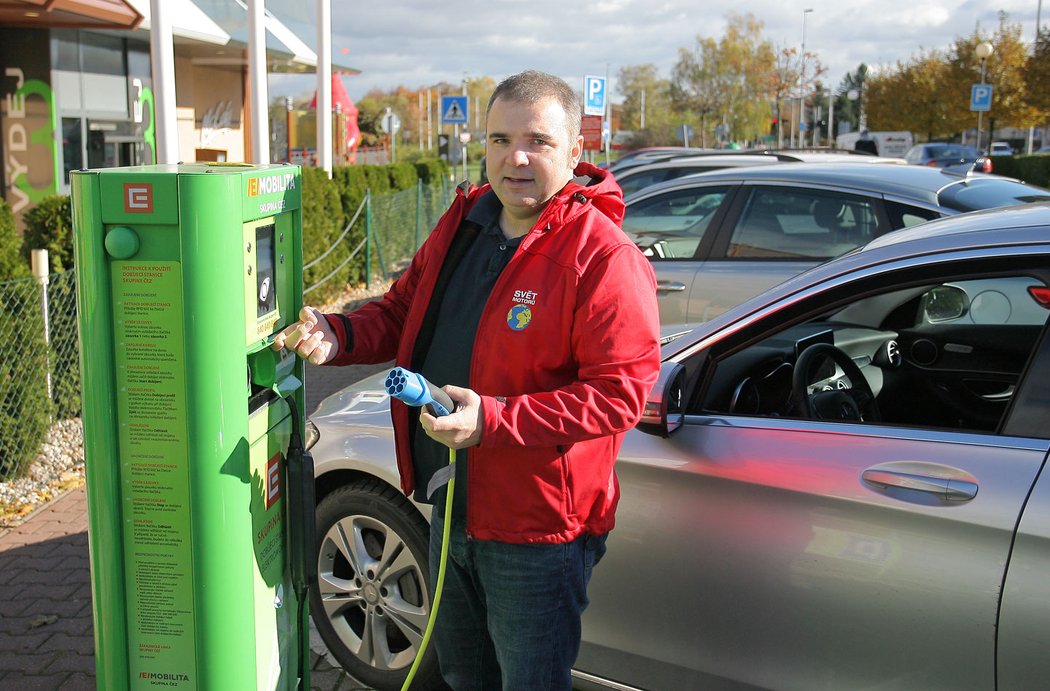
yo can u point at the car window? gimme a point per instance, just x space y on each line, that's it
635 182
905 215
949 355
989 193
671 225
801 224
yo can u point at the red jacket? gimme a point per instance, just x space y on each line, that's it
566 353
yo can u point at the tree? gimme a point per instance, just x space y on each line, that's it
638 83
911 98
847 109
1005 71
784 83
728 83
1037 75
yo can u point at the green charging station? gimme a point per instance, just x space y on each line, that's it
198 525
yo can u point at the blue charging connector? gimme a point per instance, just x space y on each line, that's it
415 390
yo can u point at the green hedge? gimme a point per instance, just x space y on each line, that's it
323 222
12 264
1034 168
432 171
49 226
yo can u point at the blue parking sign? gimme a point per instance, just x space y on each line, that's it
593 95
981 97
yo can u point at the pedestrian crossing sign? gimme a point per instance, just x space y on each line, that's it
454 110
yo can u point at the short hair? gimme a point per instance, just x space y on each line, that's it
533 86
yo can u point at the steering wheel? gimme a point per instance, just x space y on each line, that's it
856 403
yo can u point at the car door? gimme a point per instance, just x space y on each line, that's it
674 229
768 552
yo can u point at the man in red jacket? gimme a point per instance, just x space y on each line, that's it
538 315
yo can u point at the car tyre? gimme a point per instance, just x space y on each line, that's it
371 601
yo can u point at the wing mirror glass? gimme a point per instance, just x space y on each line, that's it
945 303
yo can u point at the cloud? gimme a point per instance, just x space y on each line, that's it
416 43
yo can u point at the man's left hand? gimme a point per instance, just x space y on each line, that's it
460 429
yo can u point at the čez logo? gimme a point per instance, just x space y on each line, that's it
138 198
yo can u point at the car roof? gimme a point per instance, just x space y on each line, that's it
903 181
727 159
758 157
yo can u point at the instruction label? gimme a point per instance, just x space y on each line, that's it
154 472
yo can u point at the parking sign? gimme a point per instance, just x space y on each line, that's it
981 97
593 95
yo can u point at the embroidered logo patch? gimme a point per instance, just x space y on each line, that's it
519 317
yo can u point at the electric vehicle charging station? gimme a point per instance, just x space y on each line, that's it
200 510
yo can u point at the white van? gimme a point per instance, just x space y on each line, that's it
887 144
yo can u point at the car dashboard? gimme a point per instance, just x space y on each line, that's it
759 379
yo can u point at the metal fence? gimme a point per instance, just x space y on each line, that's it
395 225
39 365
398 223
39 347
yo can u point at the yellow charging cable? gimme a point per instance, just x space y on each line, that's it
439 586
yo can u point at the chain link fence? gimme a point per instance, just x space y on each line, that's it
400 222
39 365
39 346
395 225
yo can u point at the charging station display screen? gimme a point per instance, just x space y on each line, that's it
265 276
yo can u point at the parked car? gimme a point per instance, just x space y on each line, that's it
718 238
653 153
1001 149
636 177
837 484
938 155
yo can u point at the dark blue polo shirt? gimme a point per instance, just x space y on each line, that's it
448 359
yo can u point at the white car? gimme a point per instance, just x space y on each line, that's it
1001 149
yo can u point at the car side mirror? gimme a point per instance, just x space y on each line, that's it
664 409
945 303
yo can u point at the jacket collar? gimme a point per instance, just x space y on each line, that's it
591 186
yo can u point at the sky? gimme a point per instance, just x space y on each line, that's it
417 43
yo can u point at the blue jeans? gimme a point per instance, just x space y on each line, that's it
509 616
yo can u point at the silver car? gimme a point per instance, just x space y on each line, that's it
838 484
640 176
718 238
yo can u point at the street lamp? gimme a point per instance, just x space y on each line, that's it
802 79
983 50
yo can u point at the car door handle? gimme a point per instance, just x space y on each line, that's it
949 484
669 287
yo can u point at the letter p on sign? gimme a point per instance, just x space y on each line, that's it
593 95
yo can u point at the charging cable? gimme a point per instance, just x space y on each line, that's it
415 390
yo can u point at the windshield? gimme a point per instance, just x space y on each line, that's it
989 193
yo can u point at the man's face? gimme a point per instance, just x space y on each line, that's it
529 155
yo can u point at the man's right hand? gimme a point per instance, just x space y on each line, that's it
310 338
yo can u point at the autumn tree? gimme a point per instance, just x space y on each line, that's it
1005 71
646 105
1037 76
728 82
910 97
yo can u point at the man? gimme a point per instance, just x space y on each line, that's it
538 316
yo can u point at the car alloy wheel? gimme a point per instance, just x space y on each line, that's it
371 600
